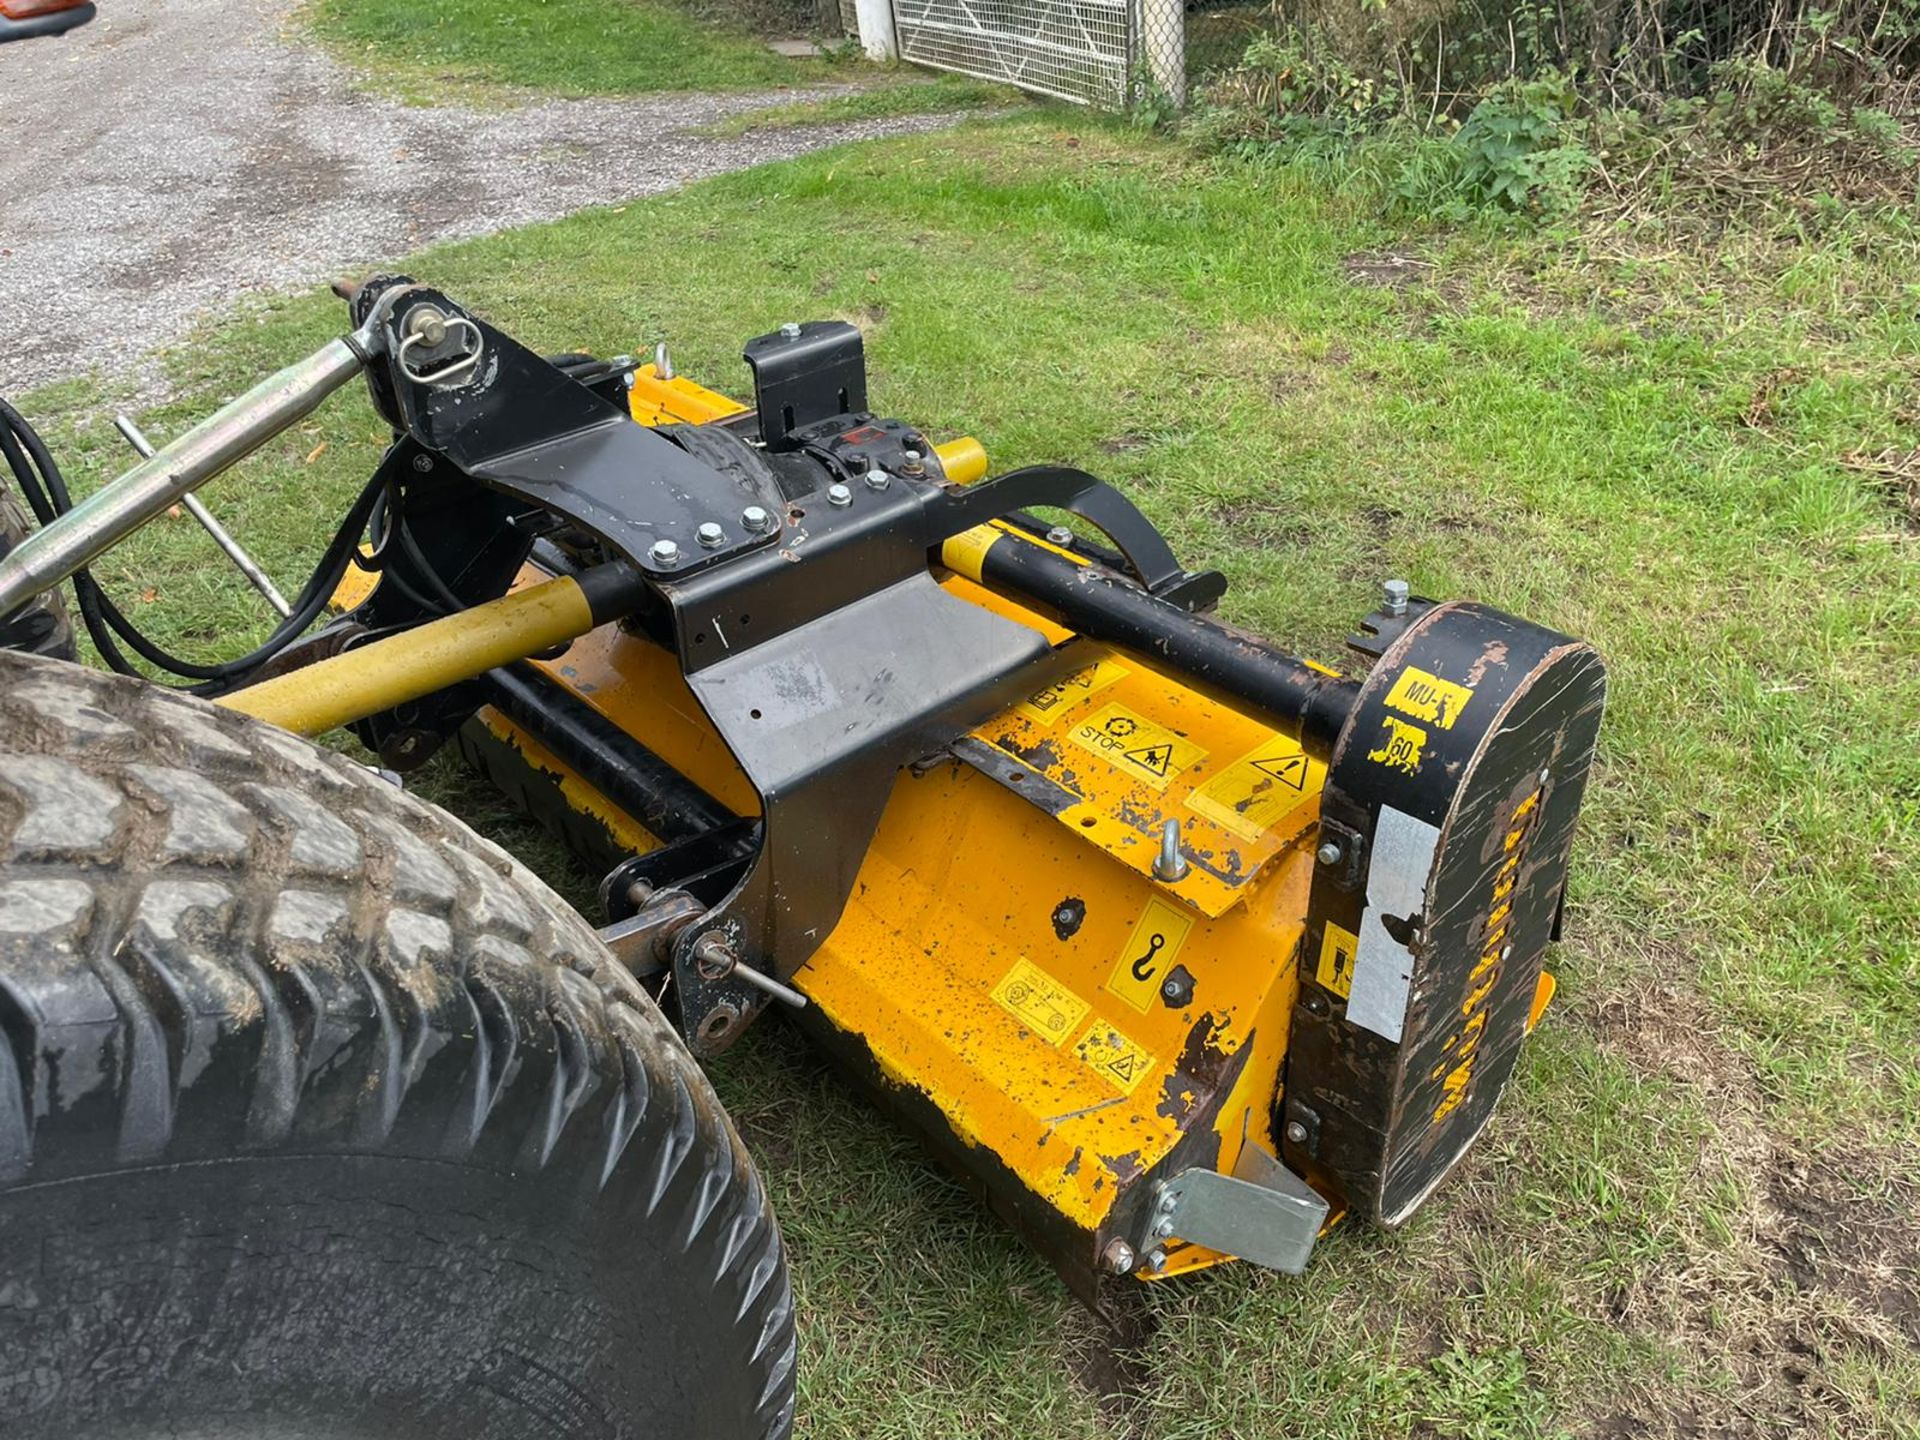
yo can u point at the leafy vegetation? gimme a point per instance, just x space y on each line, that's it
1588 106
1694 1213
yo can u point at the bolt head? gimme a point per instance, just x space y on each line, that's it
664 552
710 536
1060 535
878 479
1117 1258
1329 852
839 495
423 463
756 519
790 330
1296 1133
1171 989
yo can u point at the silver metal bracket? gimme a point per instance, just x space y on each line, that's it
1263 1212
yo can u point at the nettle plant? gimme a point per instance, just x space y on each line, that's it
1521 148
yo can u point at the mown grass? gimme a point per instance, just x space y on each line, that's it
1695 1212
566 47
943 95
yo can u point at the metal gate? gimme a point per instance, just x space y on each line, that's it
1071 49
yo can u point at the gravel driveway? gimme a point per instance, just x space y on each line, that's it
171 154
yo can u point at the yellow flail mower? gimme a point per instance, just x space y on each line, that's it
319 1114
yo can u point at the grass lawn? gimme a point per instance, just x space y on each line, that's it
1696 1212
566 47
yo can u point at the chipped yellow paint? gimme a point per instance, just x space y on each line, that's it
1122 808
1108 1050
654 401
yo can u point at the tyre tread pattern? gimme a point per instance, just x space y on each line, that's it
218 938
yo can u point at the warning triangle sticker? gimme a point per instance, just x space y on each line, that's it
1124 1065
1287 769
1154 757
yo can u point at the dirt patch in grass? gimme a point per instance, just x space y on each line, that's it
1896 474
1861 1247
1816 1271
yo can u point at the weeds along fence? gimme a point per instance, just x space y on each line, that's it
1441 55
1418 56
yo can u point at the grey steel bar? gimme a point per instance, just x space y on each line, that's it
96 524
242 561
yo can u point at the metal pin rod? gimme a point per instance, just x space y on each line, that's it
118 508
717 961
244 562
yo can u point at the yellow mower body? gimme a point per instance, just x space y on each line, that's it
1009 972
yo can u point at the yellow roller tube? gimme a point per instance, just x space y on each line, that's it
964 460
430 657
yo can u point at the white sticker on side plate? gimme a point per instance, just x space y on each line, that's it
1396 886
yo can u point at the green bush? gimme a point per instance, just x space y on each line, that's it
1723 99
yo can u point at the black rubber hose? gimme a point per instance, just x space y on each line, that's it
47 495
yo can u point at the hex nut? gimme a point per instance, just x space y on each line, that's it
839 495
710 536
664 552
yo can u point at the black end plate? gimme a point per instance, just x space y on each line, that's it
1454 791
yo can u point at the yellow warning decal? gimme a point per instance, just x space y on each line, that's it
1136 746
1045 706
1337 949
966 552
1150 954
1114 1055
1257 789
1040 1002
1427 697
1400 745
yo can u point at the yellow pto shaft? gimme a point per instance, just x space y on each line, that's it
350 686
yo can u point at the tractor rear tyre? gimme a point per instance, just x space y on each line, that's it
321 1117
43 626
